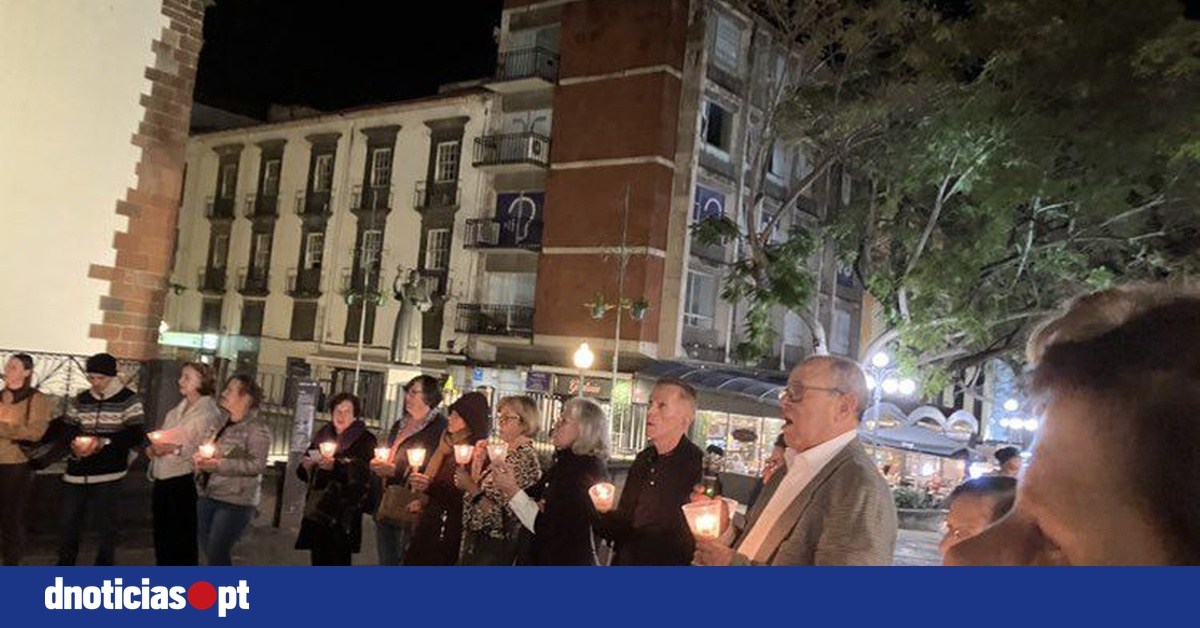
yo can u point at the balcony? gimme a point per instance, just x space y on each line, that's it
253 282
495 234
304 283
261 207
437 195
371 198
512 152
495 320
211 280
219 209
525 69
312 205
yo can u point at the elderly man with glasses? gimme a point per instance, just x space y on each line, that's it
831 506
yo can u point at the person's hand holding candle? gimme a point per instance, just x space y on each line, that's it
463 453
85 445
504 479
603 495
206 457
327 450
416 458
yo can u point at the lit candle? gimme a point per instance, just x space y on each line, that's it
156 436
602 496
327 448
84 441
462 454
381 453
706 526
416 457
497 452
208 450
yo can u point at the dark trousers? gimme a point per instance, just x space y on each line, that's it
101 500
15 480
330 555
173 502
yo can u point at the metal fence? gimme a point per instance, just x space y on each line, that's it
62 375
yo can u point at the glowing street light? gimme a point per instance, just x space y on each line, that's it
891 385
907 387
1012 405
881 360
583 359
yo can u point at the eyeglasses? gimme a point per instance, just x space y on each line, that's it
503 418
795 394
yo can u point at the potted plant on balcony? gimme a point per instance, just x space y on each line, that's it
598 306
638 308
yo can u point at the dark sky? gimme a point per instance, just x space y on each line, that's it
343 53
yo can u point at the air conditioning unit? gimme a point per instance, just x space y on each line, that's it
486 233
537 149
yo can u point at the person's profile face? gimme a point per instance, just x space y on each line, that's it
968 516
1074 506
669 414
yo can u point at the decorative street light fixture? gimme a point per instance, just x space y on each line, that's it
881 379
599 305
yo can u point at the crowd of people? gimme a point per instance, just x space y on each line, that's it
1113 477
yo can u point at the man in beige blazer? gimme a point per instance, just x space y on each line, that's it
831 506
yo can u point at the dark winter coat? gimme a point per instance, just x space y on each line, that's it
340 495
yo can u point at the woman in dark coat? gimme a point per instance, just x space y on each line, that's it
339 484
438 535
557 508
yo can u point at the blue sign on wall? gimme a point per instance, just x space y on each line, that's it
709 203
520 217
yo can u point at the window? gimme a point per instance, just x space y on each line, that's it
210 316
840 342
717 126
372 245
262 253
778 162
511 288
228 180
446 166
727 44
314 250
220 251
323 173
252 318
304 320
381 167
270 184
701 302
437 249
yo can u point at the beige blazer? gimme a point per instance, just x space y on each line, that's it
845 516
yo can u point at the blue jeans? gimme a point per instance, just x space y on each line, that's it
390 543
221 525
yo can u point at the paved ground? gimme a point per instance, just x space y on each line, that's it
270 546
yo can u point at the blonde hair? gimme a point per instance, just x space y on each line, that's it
593 427
524 407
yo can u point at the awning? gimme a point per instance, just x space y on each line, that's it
739 391
914 438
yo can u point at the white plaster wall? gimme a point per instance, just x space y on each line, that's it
71 75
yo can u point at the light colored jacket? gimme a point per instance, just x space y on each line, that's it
186 426
26 420
845 516
243 449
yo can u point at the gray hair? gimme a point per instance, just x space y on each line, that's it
848 377
593 427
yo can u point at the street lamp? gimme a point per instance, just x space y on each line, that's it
1012 405
583 359
881 379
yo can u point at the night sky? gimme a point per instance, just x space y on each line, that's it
346 53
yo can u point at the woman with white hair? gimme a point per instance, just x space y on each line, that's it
557 508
